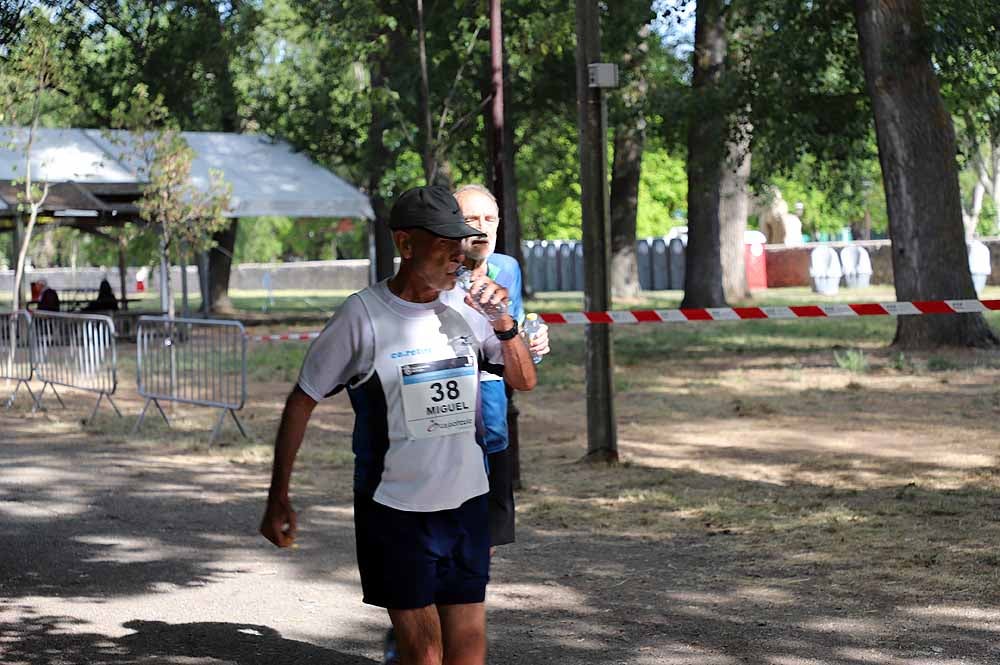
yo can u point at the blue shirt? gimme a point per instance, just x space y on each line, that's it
505 271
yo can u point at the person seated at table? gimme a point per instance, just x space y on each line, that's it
105 302
48 299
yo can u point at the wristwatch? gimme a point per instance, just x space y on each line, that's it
507 334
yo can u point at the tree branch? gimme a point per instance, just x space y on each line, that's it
458 78
399 112
465 118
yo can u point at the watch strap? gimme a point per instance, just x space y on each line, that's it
505 335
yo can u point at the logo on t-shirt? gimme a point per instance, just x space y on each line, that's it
435 426
409 353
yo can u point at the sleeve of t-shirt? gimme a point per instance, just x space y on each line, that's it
490 346
509 277
343 351
516 302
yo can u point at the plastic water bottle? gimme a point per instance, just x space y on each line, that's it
492 311
532 325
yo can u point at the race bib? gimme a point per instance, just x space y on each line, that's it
439 397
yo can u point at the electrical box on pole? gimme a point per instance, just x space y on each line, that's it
602 75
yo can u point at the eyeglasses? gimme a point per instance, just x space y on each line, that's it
484 222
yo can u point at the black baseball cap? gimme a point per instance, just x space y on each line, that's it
432 208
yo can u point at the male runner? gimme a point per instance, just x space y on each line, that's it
480 210
410 365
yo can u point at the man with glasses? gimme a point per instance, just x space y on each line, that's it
480 210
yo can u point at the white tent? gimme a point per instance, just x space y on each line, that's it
267 176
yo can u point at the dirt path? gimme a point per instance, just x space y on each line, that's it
745 528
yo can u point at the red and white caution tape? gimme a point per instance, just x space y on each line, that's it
773 312
287 337
916 308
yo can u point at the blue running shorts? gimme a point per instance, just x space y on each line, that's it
410 560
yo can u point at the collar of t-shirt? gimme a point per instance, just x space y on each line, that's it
406 306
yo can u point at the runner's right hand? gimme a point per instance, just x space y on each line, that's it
279 524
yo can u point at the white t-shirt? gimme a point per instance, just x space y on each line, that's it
410 369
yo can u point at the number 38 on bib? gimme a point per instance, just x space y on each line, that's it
439 397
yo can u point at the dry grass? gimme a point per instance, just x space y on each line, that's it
793 466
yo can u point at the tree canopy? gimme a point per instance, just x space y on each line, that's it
302 71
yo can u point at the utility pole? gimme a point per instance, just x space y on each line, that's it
496 109
501 183
500 170
591 78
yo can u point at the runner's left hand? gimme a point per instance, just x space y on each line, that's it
540 341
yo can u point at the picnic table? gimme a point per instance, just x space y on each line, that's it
72 300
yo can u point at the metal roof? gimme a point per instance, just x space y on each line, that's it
267 176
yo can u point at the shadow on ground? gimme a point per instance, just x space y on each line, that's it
45 640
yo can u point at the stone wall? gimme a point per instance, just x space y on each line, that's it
344 275
67 278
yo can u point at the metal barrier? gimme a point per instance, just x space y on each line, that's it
15 353
75 351
192 361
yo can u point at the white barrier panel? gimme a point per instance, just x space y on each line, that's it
75 351
15 353
192 361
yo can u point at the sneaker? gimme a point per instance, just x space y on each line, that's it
390 653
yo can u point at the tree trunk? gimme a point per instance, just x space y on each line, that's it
220 263
17 294
500 141
382 250
734 207
625 171
706 151
992 180
21 255
626 168
495 117
123 267
430 168
916 142
502 184
511 213
221 256
204 279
